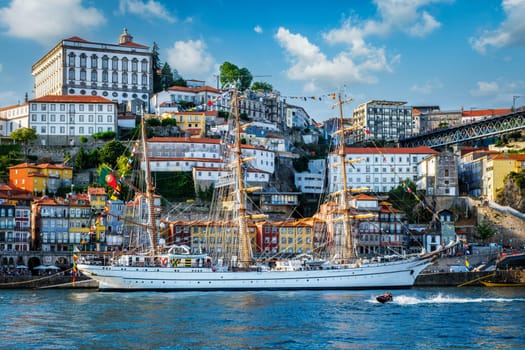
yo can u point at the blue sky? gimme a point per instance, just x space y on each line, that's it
452 53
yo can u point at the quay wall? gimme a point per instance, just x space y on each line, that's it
450 279
439 279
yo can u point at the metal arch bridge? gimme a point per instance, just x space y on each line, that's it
489 127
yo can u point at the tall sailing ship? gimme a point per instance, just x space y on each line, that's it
178 268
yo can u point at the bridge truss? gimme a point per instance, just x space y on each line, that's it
486 128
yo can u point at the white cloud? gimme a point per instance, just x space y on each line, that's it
310 64
258 29
359 60
149 9
511 31
50 20
428 87
485 88
190 58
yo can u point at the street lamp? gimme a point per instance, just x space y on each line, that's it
514 98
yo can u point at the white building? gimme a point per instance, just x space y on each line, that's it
121 72
296 117
384 120
378 169
438 175
312 181
62 120
168 101
13 117
183 154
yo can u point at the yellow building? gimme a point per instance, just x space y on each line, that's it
498 167
194 123
296 237
97 197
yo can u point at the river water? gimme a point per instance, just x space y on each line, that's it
418 318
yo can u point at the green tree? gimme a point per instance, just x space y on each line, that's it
24 136
402 198
262 86
168 122
104 135
92 159
81 159
300 164
245 78
153 122
156 66
167 76
485 230
111 152
230 74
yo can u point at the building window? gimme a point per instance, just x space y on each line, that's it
94 75
134 78
114 63
94 61
62 118
124 64
110 119
83 60
105 61
124 78
71 60
145 66
71 74
52 129
105 76
134 65
144 79
82 74
114 77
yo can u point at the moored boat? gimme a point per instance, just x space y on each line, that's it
183 270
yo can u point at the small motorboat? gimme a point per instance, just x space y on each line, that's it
385 298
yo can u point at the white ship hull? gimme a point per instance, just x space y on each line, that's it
401 274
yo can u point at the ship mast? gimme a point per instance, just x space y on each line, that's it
150 189
346 234
244 238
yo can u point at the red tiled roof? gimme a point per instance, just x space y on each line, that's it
133 44
194 90
184 140
508 156
96 190
72 98
53 166
391 150
485 112
363 196
77 39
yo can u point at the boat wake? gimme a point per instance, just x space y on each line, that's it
444 299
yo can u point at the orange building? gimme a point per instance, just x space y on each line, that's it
40 178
